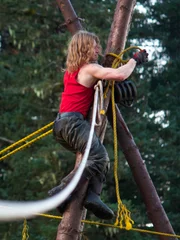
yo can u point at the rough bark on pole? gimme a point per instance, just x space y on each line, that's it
151 199
70 225
120 26
117 38
71 19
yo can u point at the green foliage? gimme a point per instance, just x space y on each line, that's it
32 55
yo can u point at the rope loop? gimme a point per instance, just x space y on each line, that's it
118 57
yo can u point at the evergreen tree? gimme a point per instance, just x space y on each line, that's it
33 50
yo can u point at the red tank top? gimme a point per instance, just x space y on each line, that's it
76 97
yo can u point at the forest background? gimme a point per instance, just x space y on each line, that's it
33 45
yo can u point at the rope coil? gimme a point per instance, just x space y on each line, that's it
123 214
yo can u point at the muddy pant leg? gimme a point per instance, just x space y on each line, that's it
73 133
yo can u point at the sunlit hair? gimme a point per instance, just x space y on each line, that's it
81 50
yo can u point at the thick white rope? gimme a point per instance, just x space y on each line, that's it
14 210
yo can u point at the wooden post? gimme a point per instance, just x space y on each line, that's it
151 199
68 227
71 19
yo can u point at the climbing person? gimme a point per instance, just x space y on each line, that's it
71 128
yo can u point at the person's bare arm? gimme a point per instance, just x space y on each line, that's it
118 74
89 73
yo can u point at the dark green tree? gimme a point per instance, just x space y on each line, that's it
32 54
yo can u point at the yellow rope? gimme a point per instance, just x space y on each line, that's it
114 226
25 235
123 214
118 59
25 138
25 145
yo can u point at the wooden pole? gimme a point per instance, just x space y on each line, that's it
120 26
153 204
71 19
69 228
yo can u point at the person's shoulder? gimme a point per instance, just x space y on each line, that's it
91 66
94 64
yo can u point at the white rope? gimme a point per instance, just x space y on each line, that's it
14 210
100 105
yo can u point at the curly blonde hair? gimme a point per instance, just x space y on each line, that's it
81 50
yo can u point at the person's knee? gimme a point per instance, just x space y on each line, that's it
106 163
98 160
102 162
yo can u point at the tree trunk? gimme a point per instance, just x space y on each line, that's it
70 227
151 199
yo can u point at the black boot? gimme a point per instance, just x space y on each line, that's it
93 201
